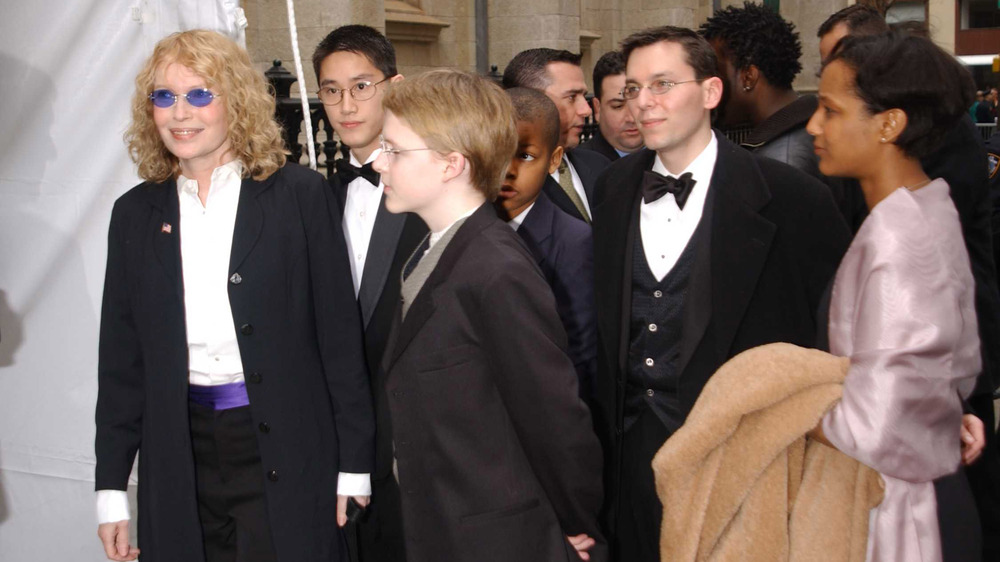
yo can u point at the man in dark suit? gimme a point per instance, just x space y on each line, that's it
559 76
495 454
561 245
354 65
617 134
701 251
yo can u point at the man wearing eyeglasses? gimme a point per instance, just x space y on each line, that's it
355 64
701 250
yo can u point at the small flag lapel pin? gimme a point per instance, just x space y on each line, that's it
166 228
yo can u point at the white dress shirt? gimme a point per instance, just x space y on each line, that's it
577 183
665 227
213 352
515 222
360 208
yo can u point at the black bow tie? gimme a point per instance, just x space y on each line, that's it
656 185
348 172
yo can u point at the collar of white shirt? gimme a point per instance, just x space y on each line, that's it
516 222
221 176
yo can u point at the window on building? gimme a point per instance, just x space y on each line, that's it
906 11
774 5
979 14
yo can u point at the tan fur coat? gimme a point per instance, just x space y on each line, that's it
740 481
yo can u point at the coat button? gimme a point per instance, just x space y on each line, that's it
236 279
649 392
254 377
657 293
272 476
649 361
246 329
264 427
652 327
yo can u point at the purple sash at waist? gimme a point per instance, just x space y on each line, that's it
220 397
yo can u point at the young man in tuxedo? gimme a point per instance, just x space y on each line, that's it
355 65
701 251
559 76
494 449
617 134
561 245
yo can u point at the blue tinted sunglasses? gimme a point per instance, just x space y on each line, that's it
198 97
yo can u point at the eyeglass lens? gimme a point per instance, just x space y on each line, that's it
199 97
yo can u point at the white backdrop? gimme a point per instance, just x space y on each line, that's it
66 72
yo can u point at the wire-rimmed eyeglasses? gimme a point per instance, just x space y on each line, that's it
390 151
361 91
198 97
656 87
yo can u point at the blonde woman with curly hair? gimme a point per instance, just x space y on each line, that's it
230 347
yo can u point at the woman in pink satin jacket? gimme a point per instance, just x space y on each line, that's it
902 301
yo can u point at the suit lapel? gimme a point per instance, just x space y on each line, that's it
423 304
381 250
249 220
622 202
536 229
740 242
165 229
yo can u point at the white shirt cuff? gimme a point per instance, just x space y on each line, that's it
112 506
353 484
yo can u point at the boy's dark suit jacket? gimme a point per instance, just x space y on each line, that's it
588 165
774 243
563 247
496 456
394 238
300 341
600 145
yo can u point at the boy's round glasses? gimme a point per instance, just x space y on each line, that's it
198 97
657 87
359 92
390 151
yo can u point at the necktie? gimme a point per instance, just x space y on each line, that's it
347 172
566 182
656 185
416 256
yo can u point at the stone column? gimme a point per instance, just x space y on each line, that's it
517 25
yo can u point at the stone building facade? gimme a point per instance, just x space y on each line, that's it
477 34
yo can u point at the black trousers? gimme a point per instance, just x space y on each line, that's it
230 486
639 511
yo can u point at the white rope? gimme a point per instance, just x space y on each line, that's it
302 84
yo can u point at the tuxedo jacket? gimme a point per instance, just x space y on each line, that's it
299 337
496 456
563 248
588 166
773 243
394 238
600 145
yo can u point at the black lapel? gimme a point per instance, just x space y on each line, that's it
559 198
536 229
381 251
165 230
740 240
619 222
249 219
339 192
423 304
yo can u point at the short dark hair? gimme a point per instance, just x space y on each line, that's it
361 39
757 35
700 55
534 106
859 19
611 63
527 68
895 70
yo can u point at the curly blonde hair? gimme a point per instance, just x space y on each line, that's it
254 135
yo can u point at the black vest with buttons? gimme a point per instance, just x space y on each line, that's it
655 336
